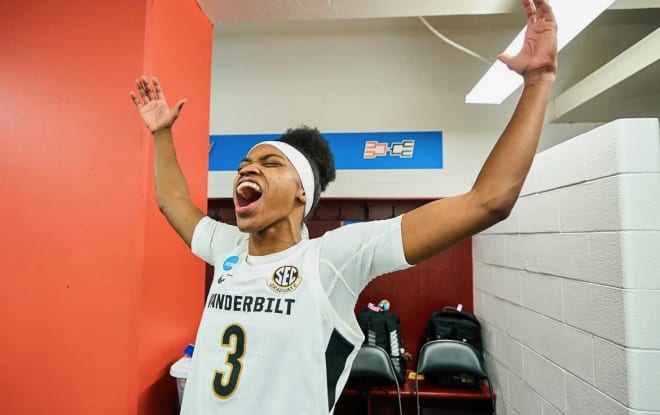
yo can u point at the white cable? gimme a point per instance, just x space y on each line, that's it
454 44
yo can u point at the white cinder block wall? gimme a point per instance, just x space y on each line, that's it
568 287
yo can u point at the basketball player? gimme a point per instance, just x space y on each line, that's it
278 334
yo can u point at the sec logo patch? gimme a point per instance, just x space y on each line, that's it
284 280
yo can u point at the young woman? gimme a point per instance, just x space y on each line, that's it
278 333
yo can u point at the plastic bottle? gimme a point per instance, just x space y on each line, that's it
180 368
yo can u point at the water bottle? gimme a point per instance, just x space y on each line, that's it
180 369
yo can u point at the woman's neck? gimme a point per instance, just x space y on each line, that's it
275 238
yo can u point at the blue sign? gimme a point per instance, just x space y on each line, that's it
352 151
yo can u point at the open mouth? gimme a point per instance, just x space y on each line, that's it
247 193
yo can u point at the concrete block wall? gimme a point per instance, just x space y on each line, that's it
568 287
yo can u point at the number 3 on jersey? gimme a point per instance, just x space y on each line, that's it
225 383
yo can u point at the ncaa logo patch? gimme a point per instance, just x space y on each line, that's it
284 280
230 262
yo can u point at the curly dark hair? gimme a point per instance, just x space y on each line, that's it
315 147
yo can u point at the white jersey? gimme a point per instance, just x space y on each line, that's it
270 340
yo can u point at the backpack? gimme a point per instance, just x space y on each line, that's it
453 324
383 329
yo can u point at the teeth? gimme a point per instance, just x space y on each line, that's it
251 185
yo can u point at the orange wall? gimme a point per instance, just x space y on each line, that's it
177 48
97 297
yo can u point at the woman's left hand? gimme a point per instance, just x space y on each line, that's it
539 52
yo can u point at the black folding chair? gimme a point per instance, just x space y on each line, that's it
441 357
372 367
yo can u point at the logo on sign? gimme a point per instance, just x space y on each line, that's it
284 280
404 149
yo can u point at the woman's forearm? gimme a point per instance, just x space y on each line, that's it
169 179
501 178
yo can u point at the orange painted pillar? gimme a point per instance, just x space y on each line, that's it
97 296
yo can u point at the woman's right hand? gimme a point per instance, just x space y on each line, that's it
155 112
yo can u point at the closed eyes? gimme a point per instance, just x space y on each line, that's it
268 160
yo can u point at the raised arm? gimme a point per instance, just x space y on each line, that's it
435 226
171 187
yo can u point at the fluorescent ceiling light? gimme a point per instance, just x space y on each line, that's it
573 16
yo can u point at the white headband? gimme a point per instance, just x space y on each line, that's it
302 166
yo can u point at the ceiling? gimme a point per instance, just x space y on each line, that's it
620 79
